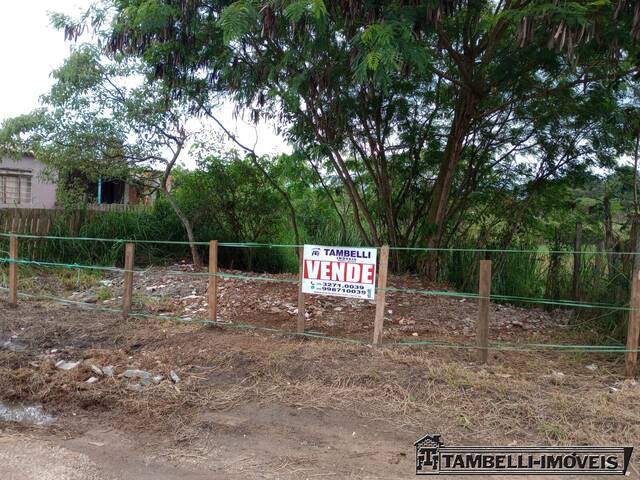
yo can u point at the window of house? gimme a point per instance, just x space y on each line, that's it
15 187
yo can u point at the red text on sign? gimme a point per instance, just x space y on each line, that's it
339 271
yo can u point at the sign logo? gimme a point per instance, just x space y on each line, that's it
339 271
434 458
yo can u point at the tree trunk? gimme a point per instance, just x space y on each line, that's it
437 213
552 289
634 243
195 256
609 238
635 175
599 265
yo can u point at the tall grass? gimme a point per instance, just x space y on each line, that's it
156 223
549 276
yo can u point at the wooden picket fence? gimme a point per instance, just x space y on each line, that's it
38 221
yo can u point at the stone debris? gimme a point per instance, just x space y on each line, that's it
31 414
85 297
626 384
593 367
108 371
97 370
133 373
174 377
92 380
145 378
406 311
63 365
12 345
557 377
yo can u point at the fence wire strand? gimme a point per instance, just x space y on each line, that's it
494 346
436 344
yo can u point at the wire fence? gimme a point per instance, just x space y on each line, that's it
212 275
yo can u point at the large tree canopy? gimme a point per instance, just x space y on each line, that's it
411 104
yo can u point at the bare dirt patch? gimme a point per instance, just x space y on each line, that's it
179 291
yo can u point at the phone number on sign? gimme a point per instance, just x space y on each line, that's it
342 288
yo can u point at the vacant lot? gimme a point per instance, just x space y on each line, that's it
252 404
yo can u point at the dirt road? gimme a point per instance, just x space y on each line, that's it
257 405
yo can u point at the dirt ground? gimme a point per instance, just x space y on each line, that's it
255 404
179 291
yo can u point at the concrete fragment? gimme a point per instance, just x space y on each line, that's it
32 414
557 378
62 365
12 345
134 373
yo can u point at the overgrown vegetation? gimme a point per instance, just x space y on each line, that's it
485 125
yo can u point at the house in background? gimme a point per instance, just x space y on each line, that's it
24 185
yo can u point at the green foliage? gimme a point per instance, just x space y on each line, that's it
481 124
236 19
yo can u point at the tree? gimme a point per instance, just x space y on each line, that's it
103 119
409 103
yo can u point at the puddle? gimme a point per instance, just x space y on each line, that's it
33 414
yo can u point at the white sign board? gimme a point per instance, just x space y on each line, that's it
340 271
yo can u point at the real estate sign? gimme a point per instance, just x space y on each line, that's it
339 271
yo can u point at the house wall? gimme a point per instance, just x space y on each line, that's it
43 191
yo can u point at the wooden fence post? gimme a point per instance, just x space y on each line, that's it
380 294
300 325
212 292
633 328
127 294
484 291
13 271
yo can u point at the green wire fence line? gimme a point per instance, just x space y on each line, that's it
563 303
97 239
286 245
507 250
442 293
496 346
250 277
39 263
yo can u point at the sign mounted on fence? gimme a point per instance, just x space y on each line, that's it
340 271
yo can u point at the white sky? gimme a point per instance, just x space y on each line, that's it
30 48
